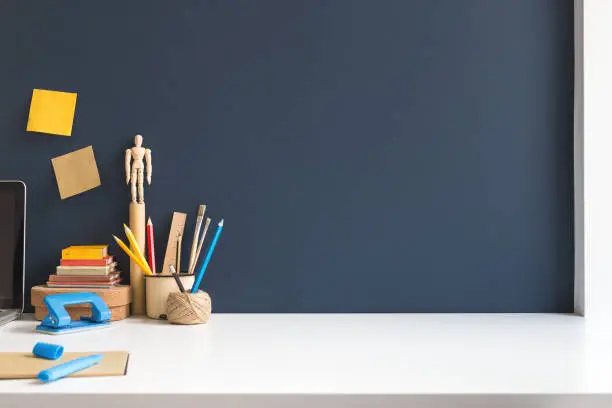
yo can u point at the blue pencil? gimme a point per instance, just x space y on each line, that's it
202 270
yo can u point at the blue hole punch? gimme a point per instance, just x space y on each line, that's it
58 320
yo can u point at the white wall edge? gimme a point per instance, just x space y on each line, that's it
597 162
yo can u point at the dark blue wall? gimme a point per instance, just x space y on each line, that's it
367 155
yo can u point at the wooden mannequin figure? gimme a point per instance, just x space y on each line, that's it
137 161
134 170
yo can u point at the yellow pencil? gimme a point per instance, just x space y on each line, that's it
144 267
134 244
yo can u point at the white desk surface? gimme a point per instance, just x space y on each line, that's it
333 360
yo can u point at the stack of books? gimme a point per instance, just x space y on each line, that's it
86 266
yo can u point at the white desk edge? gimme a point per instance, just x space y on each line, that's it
333 360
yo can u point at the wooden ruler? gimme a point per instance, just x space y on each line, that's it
177 227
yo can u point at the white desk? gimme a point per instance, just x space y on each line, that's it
332 360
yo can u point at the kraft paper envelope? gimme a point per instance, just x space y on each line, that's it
52 112
76 172
26 365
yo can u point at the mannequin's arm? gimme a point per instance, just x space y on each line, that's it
149 165
128 159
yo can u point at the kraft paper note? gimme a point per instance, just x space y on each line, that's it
76 172
52 112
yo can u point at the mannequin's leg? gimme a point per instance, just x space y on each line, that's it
133 185
140 186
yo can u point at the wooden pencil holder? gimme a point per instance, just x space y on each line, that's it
189 308
158 288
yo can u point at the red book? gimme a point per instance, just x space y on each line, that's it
151 246
107 260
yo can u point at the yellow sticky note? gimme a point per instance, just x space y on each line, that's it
52 112
76 172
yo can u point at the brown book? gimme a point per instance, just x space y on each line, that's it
84 278
83 284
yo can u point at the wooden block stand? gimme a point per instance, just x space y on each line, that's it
117 299
138 227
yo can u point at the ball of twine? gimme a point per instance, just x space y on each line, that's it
189 308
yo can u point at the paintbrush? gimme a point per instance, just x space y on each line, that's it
179 240
196 235
176 278
195 261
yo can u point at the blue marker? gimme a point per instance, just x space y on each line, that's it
69 367
202 270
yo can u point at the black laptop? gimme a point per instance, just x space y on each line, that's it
12 249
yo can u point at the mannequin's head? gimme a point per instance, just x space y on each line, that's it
138 140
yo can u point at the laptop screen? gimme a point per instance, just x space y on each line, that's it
12 217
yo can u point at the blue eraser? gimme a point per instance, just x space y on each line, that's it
48 351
